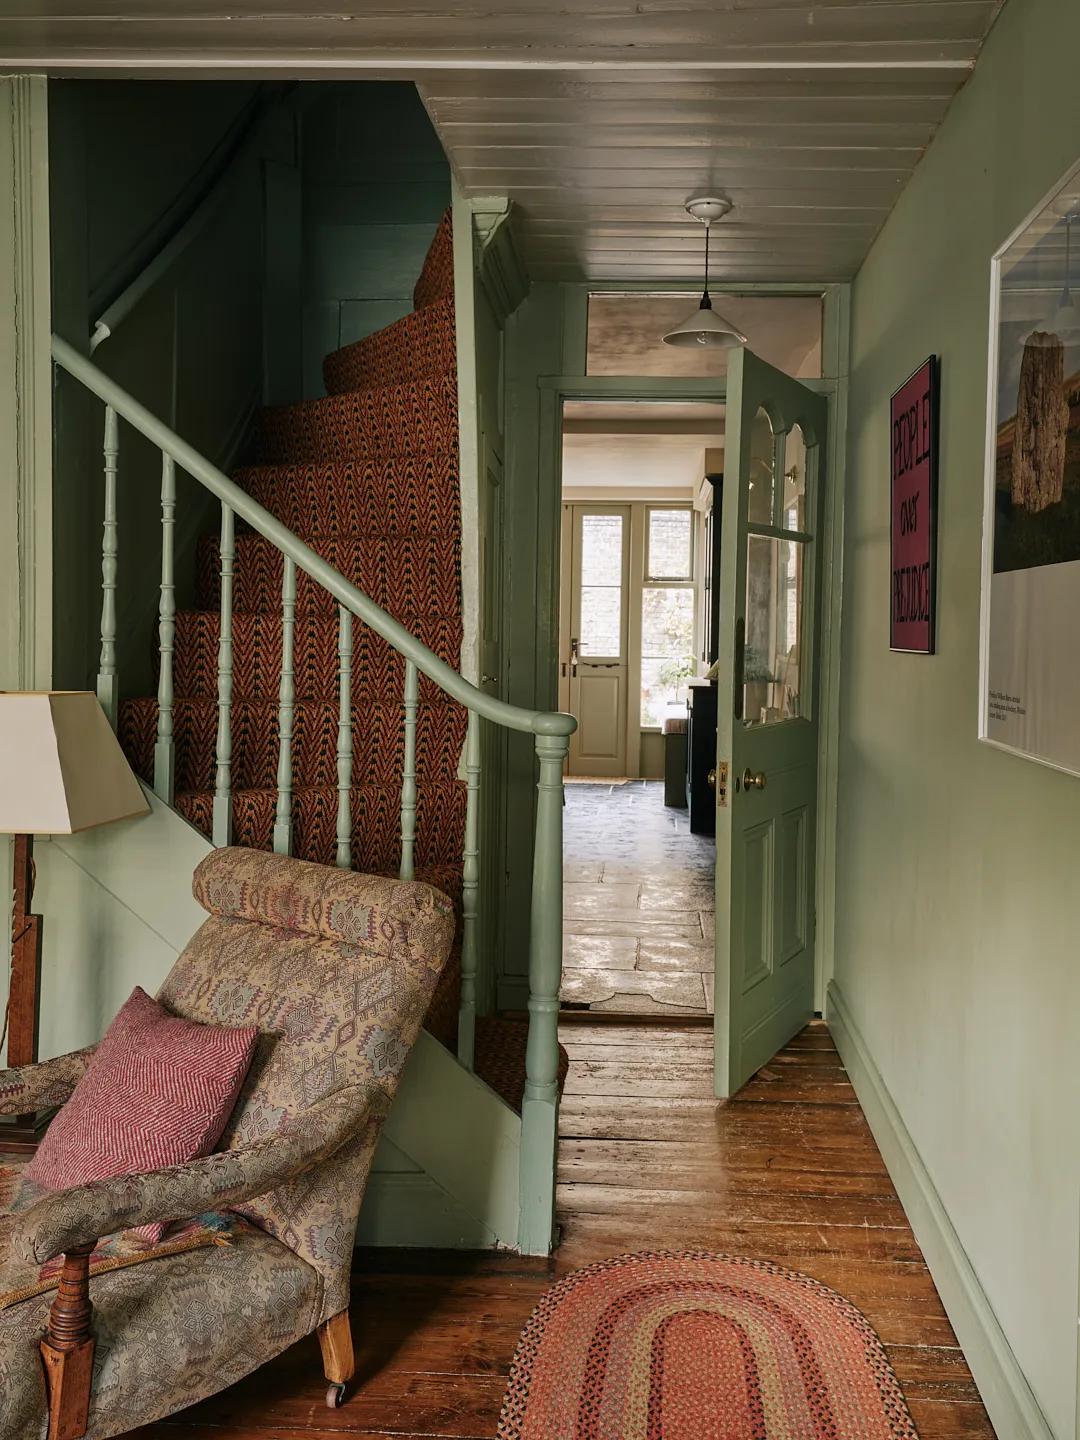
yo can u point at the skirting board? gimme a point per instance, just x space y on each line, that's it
1013 1409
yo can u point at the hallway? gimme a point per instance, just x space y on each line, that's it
638 898
786 1171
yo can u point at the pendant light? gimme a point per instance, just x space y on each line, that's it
705 326
1066 317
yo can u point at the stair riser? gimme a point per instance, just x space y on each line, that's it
420 344
378 672
437 276
392 496
378 743
376 824
402 574
412 419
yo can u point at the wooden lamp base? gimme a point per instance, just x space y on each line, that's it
22 1132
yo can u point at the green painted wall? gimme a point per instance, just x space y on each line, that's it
376 182
956 943
534 348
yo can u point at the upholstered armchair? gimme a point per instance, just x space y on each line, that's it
336 970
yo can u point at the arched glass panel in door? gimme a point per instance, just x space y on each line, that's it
778 588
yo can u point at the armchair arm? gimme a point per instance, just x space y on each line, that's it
49 1082
66 1219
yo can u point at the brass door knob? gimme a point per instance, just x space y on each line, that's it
753 779
711 777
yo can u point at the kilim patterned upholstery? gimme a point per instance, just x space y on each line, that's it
335 971
368 477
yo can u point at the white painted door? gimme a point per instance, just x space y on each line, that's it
596 660
767 706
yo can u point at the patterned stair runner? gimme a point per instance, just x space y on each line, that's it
368 476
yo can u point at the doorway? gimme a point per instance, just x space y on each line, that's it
633 596
761 617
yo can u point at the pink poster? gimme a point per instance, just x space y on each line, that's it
913 445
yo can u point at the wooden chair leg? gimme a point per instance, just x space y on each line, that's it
67 1350
339 1365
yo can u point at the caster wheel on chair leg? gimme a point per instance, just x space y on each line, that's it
335 1396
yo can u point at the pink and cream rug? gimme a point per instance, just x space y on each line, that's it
695 1346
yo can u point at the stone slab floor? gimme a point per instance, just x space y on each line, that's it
639 904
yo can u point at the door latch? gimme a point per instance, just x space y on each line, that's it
718 779
573 656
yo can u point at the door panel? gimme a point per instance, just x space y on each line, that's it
596 658
755 947
601 702
792 891
767 731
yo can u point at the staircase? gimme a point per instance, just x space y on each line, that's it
368 477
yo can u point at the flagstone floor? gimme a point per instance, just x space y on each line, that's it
638 904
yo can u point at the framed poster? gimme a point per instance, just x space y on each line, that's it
1029 652
913 435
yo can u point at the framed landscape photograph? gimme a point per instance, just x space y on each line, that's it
1030 649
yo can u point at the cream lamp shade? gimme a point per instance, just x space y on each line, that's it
61 766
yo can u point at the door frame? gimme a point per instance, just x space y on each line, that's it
555 389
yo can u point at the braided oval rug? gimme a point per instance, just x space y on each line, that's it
694 1346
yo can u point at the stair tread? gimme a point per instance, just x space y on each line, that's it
333 468
423 342
383 421
308 703
434 387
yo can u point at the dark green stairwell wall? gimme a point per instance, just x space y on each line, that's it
375 183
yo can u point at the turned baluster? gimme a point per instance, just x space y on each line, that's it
286 707
164 747
223 801
470 889
408 773
107 681
344 744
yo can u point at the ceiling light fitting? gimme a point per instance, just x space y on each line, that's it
705 326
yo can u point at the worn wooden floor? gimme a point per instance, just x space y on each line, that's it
787 1171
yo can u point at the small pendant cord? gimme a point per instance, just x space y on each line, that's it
1068 260
706 297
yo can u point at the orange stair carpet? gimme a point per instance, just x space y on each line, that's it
368 477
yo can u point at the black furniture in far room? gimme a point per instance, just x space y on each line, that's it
701 755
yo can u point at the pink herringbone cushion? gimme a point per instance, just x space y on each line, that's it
157 1092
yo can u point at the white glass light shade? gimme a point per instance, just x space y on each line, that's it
706 327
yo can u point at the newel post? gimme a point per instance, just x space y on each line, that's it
67 1351
539 1110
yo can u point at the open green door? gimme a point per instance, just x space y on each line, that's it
767 730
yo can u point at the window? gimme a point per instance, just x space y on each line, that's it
601 585
667 612
776 570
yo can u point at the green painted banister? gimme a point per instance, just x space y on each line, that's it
512 717
551 731
540 1105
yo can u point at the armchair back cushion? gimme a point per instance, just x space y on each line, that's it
336 970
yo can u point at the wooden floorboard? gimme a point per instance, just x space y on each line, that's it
786 1171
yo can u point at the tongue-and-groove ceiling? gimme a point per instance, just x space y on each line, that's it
599 117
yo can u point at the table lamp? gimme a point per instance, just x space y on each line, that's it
61 771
